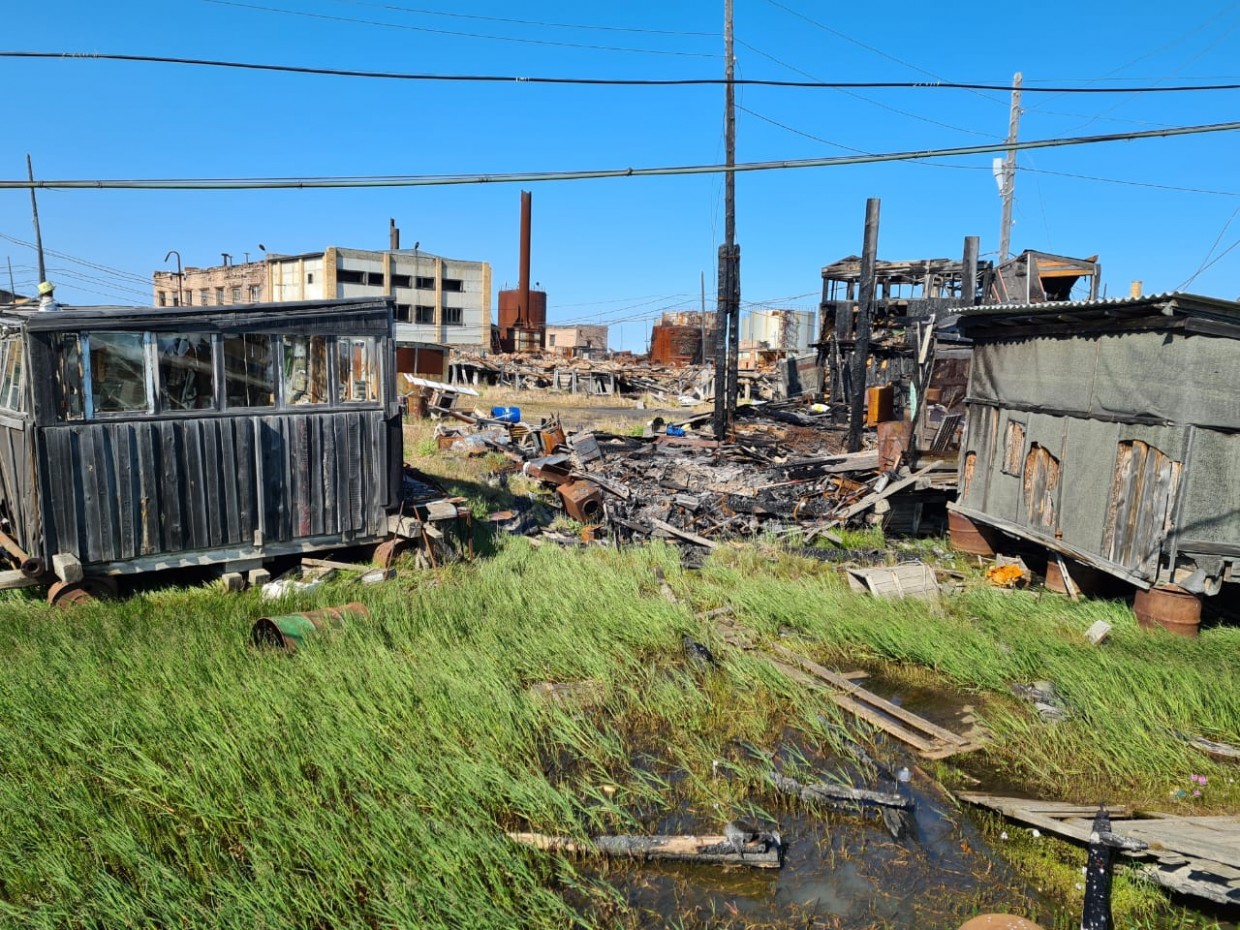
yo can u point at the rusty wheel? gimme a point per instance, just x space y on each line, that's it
386 553
68 593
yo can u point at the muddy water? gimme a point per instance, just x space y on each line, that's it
843 870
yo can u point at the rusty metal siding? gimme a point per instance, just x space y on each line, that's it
129 489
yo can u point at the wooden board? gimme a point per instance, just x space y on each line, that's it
1189 855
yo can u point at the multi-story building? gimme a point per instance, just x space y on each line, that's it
586 341
217 286
439 301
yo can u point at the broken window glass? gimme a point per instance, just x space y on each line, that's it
118 373
358 367
186 372
69 379
249 370
305 370
11 393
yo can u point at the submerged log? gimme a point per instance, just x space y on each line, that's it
761 850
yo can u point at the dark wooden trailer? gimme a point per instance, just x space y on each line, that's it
139 439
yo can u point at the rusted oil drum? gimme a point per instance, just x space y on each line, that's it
291 631
967 536
1170 607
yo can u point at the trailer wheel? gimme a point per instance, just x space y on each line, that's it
68 593
386 553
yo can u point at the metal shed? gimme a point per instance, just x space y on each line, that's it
1109 431
140 439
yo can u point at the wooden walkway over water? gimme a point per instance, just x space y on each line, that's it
1189 855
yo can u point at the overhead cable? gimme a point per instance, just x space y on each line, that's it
610 82
377 181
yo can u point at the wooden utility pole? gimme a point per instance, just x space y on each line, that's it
1009 172
861 339
702 319
727 312
34 209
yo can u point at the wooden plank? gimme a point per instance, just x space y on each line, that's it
145 441
212 479
170 490
683 534
881 704
871 499
705 849
122 438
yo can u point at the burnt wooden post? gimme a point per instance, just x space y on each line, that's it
1096 913
861 344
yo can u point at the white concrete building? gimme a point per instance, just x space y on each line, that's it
439 300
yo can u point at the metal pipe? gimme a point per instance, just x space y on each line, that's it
523 284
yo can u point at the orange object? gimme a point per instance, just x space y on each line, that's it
879 404
1005 576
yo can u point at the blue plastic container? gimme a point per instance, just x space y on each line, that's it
675 431
506 414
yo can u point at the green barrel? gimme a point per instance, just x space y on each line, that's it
291 631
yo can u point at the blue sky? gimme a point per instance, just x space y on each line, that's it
619 251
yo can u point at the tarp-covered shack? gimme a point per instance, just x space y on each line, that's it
1109 431
137 439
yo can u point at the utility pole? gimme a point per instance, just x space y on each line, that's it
727 312
34 209
861 340
702 319
1009 172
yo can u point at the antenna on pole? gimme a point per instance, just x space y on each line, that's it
34 209
1009 172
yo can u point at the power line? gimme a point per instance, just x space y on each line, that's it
607 82
1150 184
378 181
463 35
107 269
528 22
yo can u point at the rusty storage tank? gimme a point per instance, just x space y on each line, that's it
509 324
675 345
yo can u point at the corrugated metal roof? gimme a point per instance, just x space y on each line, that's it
1185 301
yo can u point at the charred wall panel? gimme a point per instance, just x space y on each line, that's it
129 489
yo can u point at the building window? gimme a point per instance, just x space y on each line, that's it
402 280
374 278
249 370
219 297
424 315
186 372
424 284
254 293
305 370
452 316
349 276
309 277
404 313
162 297
551 339
236 295
189 298
204 297
455 285
11 392
358 368
69 379
118 373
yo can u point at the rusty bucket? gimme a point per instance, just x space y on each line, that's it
291 631
967 536
1169 607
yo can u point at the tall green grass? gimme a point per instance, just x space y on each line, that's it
157 770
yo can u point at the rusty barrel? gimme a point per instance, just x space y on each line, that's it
967 536
1169 607
290 631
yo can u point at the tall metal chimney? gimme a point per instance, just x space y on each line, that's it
393 236
523 283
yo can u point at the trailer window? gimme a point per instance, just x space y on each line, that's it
186 372
357 365
249 370
69 380
118 373
305 370
11 373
